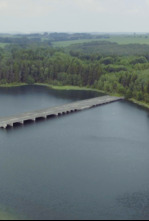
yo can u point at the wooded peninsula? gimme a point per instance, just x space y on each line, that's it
86 60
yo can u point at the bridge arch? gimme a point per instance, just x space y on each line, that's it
28 121
51 116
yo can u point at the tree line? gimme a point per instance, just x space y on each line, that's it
126 75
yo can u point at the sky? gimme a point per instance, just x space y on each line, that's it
29 16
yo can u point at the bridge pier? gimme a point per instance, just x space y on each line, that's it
18 123
11 125
4 126
29 120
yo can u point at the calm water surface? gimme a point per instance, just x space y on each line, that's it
87 165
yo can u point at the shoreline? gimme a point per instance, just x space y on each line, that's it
55 87
70 87
12 85
140 103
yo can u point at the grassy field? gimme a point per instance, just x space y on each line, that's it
2 45
67 43
139 39
121 39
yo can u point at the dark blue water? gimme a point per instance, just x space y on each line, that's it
87 165
29 98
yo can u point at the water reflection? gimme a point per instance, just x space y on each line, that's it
31 98
138 202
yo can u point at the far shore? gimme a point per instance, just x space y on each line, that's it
67 87
70 87
13 85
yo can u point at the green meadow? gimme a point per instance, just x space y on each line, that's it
120 39
2 45
68 43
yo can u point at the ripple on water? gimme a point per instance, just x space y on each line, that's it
138 202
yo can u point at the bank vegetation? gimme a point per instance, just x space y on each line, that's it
101 65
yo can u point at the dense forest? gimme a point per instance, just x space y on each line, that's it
113 68
110 48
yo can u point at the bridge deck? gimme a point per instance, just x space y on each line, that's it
56 111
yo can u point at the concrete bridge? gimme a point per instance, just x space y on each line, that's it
56 111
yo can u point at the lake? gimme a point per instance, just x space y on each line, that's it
91 164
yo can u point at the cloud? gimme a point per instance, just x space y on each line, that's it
3 5
25 8
111 6
41 7
90 5
74 15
